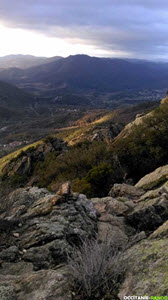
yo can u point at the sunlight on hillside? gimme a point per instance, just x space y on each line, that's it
105 118
6 159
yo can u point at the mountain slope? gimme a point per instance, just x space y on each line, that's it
86 72
142 146
90 153
45 236
16 108
12 97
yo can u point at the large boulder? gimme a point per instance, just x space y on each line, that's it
113 229
111 221
45 226
150 213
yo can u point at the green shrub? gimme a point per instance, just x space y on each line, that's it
99 178
82 186
73 164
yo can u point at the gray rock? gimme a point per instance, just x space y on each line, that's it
39 230
51 225
154 179
126 190
113 234
43 284
110 205
149 214
7 292
116 207
138 237
9 254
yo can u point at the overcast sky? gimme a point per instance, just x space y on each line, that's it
115 28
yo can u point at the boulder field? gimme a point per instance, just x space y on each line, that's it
39 229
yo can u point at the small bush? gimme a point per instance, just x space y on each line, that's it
49 139
99 178
96 270
82 186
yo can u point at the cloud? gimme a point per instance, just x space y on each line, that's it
134 28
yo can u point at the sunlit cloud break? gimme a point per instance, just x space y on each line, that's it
115 28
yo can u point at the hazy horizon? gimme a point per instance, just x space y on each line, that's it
85 54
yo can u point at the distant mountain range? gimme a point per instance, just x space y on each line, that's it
24 61
84 73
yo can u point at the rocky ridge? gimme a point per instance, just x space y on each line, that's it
39 229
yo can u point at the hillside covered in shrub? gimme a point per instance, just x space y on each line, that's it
93 165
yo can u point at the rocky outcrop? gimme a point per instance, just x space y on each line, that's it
105 133
149 214
146 240
130 126
147 260
137 220
44 228
154 179
146 211
39 229
20 168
